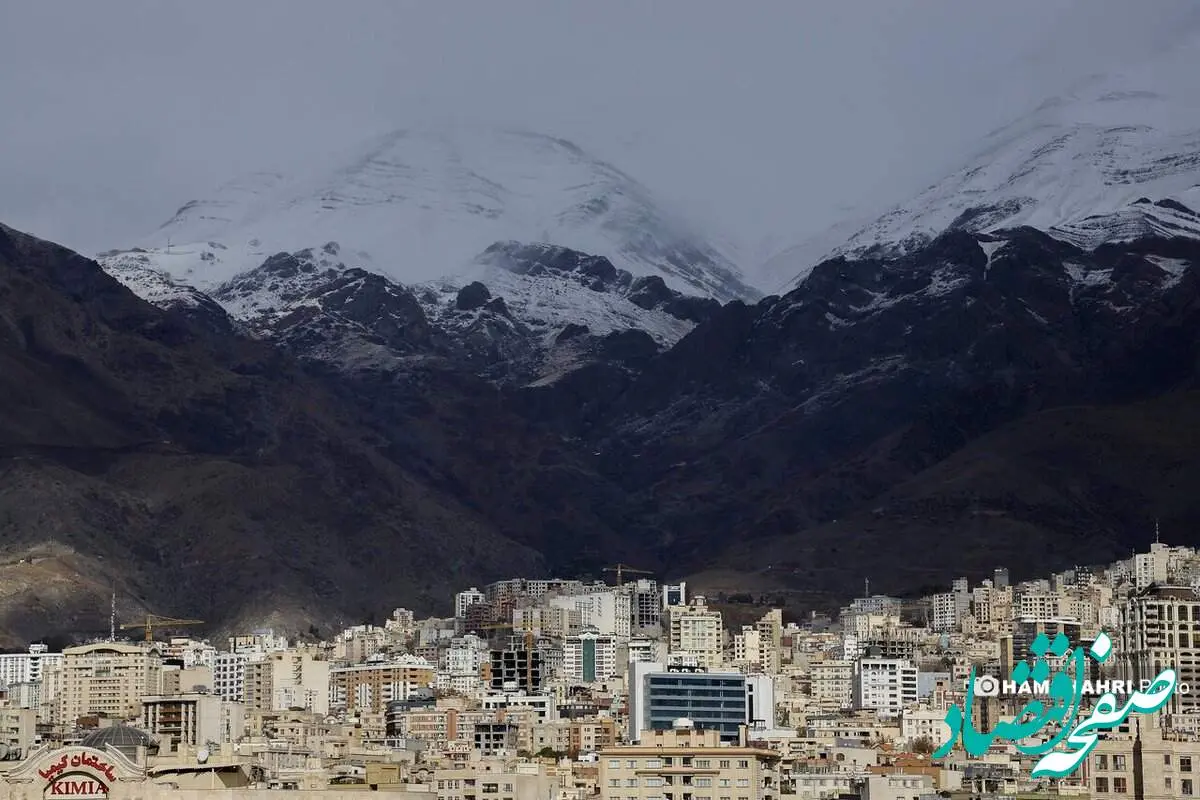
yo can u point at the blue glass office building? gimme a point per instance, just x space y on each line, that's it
713 701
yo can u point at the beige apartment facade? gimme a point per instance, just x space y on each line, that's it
370 687
1146 762
690 763
109 679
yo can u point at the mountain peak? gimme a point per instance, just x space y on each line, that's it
1073 167
418 204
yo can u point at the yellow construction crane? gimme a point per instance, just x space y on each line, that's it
156 621
621 569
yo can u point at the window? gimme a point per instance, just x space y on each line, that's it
614 781
631 763
631 782
653 763
724 763
743 782
1118 763
743 765
725 782
1119 786
1166 759
1185 763
1101 785
702 763
614 763
1101 763
508 787
1185 786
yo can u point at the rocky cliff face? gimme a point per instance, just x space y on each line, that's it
207 474
338 422
772 419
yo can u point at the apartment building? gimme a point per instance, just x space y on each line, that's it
1141 760
698 630
832 684
18 727
687 763
299 679
607 610
369 688
27 667
229 676
109 679
465 599
1160 629
885 685
589 657
192 720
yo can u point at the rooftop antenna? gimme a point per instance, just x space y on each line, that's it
866 588
1156 541
168 244
112 619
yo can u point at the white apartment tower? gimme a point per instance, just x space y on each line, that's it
885 685
463 600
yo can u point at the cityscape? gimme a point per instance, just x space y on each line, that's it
600 401
565 689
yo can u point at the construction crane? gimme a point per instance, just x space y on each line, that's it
157 621
621 569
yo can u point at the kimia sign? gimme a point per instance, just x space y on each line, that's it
79 787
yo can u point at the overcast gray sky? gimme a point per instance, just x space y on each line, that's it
766 118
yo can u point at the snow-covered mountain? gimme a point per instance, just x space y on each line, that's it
418 205
1117 158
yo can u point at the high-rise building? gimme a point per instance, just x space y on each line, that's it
607 610
885 685
1160 629
108 678
674 594
645 603
698 630
465 599
229 676
372 686
720 701
26 667
1000 577
516 668
589 657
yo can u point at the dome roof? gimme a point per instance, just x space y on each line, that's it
119 736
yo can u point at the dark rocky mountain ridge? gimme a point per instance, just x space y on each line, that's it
833 433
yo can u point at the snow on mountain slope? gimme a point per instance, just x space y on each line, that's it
1075 168
548 298
418 205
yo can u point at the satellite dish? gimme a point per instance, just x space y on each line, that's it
202 756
